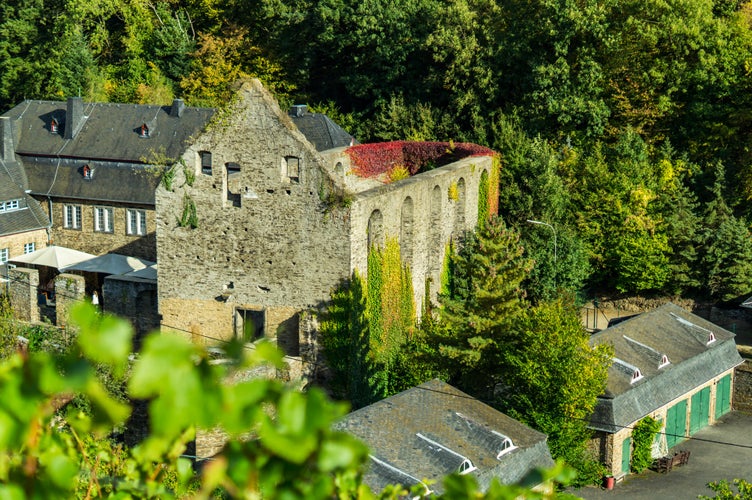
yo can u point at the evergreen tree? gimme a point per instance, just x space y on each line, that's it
486 295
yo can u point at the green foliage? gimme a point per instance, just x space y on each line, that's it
292 451
725 491
484 211
189 218
643 436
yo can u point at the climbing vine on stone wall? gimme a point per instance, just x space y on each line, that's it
446 270
483 209
643 436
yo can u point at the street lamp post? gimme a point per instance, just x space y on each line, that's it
554 231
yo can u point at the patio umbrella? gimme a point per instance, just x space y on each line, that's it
53 256
149 273
111 263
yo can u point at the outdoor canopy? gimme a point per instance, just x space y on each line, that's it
53 256
111 263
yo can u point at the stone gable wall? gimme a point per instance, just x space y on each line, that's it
263 241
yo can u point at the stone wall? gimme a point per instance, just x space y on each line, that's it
70 289
424 213
86 239
134 299
22 288
268 238
742 399
15 242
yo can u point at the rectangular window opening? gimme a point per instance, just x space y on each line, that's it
249 324
103 219
29 247
4 255
136 222
206 162
72 216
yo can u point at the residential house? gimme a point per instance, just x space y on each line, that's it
671 365
23 224
269 220
95 166
423 434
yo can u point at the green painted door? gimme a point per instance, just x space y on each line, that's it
723 396
699 412
676 423
626 449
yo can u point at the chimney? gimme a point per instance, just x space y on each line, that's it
298 110
74 117
178 105
7 151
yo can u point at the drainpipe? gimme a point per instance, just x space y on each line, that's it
49 228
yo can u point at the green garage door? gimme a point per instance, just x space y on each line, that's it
676 423
626 448
723 396
699 412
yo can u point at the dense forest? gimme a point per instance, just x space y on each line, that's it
625 125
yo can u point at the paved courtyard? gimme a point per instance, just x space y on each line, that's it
722 451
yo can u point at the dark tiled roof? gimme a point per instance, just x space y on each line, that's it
321 131
425 432
29 215
107 131
642 342
109 182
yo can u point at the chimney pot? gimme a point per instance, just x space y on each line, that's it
298 110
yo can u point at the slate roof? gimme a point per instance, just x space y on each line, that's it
109 182
642 342
108 139
108 131
29 216
425 432
320 130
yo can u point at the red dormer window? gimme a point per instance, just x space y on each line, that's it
143 131
53 126
87 172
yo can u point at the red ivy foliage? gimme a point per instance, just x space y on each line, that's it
374 159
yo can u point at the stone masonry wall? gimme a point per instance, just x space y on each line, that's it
266 240
134 299
23 293
422 213
15 242
86 239
743 387
69 290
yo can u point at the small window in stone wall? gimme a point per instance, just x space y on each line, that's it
249 324
4 255
206 162
291 168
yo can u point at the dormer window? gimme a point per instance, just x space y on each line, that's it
466 467
711 338
53 126
636 375
664 361
143 131
87 172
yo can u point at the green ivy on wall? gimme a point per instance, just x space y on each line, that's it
643 436
483 208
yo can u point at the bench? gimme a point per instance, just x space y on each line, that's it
665 464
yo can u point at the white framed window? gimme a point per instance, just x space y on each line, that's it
136 222
103 219
29 247
72 216
4 255
7 206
